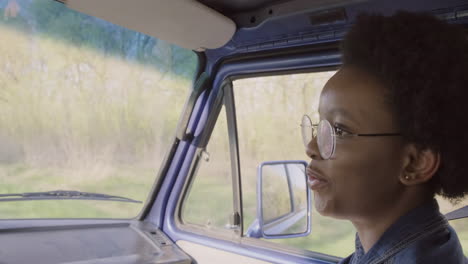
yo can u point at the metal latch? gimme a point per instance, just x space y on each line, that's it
234 221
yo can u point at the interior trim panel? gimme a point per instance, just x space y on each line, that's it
75 242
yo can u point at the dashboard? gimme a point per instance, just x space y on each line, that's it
86 242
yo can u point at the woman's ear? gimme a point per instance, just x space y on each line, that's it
419 165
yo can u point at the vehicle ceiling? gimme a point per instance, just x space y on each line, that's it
229 7
232 7
247 26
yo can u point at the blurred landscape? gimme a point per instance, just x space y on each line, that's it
84 105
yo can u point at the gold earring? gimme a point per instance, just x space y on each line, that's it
407 177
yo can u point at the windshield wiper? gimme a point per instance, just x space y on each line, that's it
63 195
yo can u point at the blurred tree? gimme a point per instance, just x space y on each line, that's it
55 20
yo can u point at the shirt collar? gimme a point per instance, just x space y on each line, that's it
407 228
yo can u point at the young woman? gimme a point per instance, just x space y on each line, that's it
393 134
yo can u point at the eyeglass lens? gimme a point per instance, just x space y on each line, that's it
325 138
307 130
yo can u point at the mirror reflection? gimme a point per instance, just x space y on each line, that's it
284 199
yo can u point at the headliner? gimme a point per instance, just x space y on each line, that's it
229 7
234 7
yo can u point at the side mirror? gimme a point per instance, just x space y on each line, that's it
283 201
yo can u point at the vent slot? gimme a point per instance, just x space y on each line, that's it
329 17
159 238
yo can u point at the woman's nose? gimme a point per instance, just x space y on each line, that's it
312 150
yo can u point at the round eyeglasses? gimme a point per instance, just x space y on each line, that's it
326 135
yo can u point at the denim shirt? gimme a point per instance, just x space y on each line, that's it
421 236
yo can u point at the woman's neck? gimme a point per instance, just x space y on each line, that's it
370 228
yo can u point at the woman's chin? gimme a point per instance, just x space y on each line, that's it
329 207
322 205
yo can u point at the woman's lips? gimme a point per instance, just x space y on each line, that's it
315 180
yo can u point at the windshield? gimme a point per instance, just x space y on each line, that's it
85 106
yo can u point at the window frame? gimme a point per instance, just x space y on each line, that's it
309 59
201 144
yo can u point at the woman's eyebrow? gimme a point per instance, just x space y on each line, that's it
341 112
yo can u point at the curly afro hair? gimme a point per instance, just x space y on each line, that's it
423 62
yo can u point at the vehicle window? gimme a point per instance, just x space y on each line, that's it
209 202
269 111
84 105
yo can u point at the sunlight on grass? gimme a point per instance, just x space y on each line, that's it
73 118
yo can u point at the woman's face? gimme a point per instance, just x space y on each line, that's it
362 176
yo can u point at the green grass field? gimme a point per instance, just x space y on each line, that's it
74 118
125 181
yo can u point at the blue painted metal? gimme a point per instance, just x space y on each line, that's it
266 65
194 119
158 210
296 30
254 230
157 213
